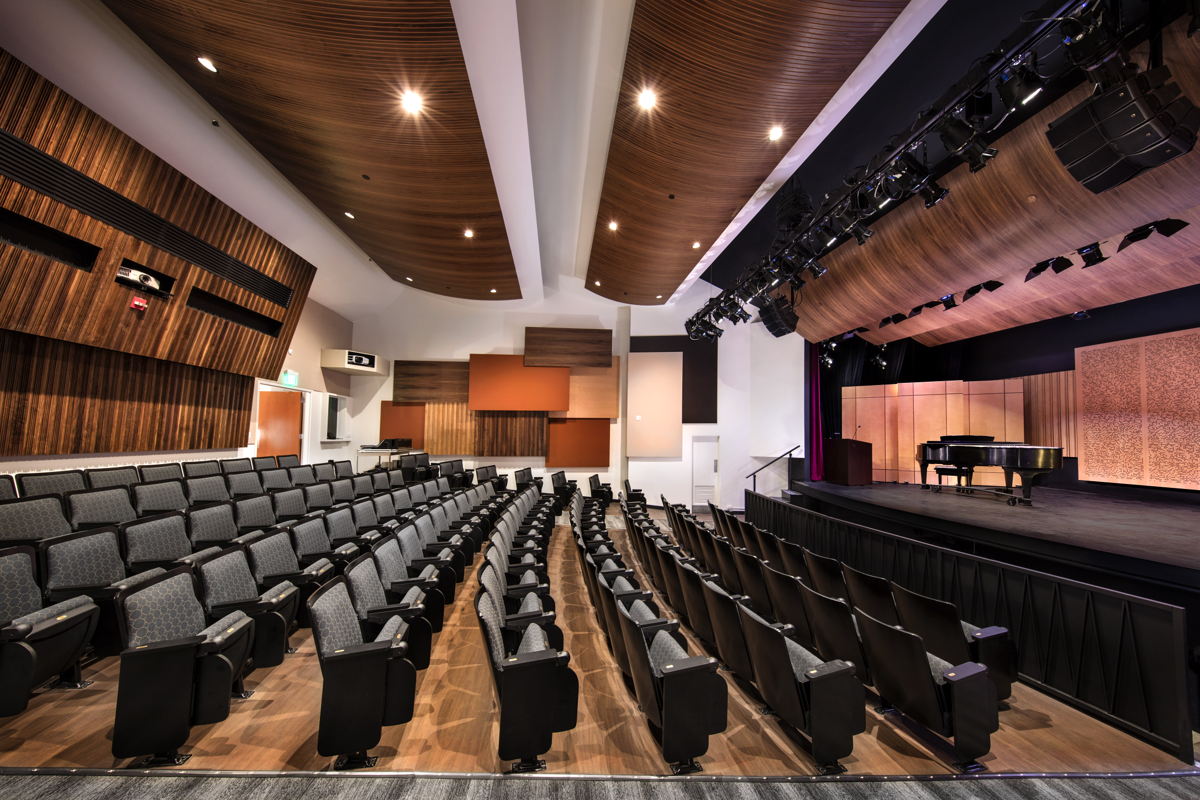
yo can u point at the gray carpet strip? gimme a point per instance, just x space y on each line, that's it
366 787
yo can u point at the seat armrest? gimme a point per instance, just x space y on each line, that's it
690 664
384 613
990 632
367 651
401 587
518 591
417 563
649 629
10 632
249 607
162 647
523 660
518 622
215 643
636 594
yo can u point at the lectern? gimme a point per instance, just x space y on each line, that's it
848 462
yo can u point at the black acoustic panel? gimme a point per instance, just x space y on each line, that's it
24 163
699 372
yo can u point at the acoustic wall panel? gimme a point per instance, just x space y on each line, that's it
504 383
1138 417
699 372
510 433
60 398
568 347
423 381
594 392
449 428
578 443
403 421
655 405
1050 410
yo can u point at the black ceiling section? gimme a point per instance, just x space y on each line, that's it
959 34
699 372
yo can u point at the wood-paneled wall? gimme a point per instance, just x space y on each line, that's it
1050 410
48 298
60 398
449 428
510 433
504 383
594 392
423 381
568 347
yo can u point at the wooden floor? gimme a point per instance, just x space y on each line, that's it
454 728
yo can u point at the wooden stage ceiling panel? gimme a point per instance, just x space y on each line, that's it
568 347
723 75
1139 410
316 88
423 381
595 392
504 383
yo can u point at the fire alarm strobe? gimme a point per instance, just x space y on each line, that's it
139 304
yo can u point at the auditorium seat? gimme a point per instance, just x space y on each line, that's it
28 519
517 609
155 541
318 496
871 594
834 631
399 577
364 685
324 471
200 469
788 604
750 575
8 488
206 490
263 462
104 477
310 542
376 608
363 485
727 628
536 690
395 478
408 467
417 559
273 560
32 484
289 505
423 470
379 481
227 585
221 523
343 469
95 508
243 484
957 701
634 495
273 479
681 695
37 643
177 670
233 465
288 461
954 640
302 475
159 497
161 472
826 574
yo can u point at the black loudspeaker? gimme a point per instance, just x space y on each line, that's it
1125 129
779 316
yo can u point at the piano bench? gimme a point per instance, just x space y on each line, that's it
956 472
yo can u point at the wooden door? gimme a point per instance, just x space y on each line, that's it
279 423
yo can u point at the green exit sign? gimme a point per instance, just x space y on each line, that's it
289 377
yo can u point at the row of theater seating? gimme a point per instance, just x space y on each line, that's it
133 587
536 691
915 651
682 696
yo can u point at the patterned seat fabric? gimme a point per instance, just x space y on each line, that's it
244 484
288 461
802 660
365 587
325 472
50 613
208 489
343 490
96 507
302 476
223 625
161 472
393 630
640 612
310 538
339 524
32 518
273 479
272 556
213 524
665 650
533 640
390 561
84 561
334 622
344 469
155 498
227 579
156 539
263 462
363 485
234 465
116 476
59 483
198 469
8 488
289 504
164 611
318 496
19 593
253 513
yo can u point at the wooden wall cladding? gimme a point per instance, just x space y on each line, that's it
594 392
895 418
449 428
1139 410
568 347
60 398
504 383
655 406
46 297
402 421
423 381
510 433
1050 410
578 443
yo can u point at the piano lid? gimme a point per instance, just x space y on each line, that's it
967 438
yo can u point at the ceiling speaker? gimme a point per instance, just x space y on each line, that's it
779 316
1120 131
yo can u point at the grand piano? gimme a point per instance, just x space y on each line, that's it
969 452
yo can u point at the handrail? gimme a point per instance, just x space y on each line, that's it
753 476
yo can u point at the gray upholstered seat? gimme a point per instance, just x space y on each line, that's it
199 469
33 518
155 541
170 471
243 484
94 508
253 513
33 484
375 606
263 462
230 466
159 497
273 479
325 471
228 586
104 477
205 490
215 524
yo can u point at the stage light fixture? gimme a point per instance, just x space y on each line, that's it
962 140
883 323
1136 235
898 318
972 291
1058 264
915 310
992 286
827 361
1079 316
1019 86
1092 255
948 302
796 282
848 222
1170 226
933 193
1037 269
816 270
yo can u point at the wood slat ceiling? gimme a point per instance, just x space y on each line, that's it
997 223
315 88
724 74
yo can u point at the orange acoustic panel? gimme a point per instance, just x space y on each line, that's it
595 392
402 421
578 443
504 383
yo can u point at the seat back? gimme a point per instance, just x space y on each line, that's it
833 630
379 481
750 574
102 478
334 622
264 462
395 478
273 479
19 592
158 539
207 489
226 578
199 469
401 499
87 560
343 490
339 525
302 475
792 556
872 594
788 603
288 461
363 486
95 508
325 471
389 560
902 673
691 584
366 589
243 484
641 670
8 488
232 465
159 497
161 472
289 504
727 629
59 483
310 538
161 610
216 524
272 556
935 621
343 469
773 674
318 496
826 574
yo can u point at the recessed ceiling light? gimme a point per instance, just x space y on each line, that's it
647 99
775 134
658 297
411 102
612 225
470 234
493 291
596 282
695 245
408 279
207 63
348 214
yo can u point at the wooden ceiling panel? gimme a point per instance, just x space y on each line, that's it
997 223
724 74
315 88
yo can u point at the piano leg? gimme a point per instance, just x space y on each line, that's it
1008 480
924 473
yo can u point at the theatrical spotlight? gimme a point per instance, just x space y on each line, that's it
1019 85
1058 264
948 302
908 176
915 310
1167 227
816 270
1079 316
961 140
990 286
1092 255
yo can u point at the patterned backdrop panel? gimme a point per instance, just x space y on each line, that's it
1139 410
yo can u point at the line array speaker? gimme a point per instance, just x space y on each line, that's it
779 316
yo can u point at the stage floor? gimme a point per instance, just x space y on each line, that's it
1167 533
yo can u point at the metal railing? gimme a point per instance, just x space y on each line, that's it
753 476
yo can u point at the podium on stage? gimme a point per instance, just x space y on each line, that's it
848 462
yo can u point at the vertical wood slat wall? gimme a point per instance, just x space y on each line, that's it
511 433
1050 419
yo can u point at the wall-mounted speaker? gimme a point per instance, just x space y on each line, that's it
779 316
1125 129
